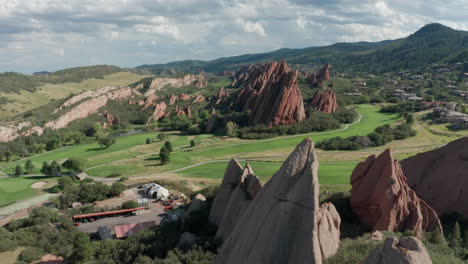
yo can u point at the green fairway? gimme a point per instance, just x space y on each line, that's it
131 156
329 173
14 189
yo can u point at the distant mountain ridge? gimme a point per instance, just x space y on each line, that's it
430 44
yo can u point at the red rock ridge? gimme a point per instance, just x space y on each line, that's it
325 101
271 92
110 120
440 177
159 112
323 75
382 199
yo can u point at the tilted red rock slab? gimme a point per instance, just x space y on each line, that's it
382 199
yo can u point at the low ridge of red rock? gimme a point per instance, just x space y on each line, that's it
198 99
325 101
382 199
440 177
184 111
271 92
323 75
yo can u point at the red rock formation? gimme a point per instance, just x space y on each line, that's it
198 99
173 99
283 223
149 101
323 75
185 111
325 101
382 199
440 177
184 97
111 120
219 97
271 92
159 112
201 83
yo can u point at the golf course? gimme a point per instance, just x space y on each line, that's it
131 157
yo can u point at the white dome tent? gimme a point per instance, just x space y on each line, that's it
154 190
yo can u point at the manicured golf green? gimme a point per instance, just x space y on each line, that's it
17 188
329 173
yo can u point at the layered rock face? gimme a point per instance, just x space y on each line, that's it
198 99
325 101
382 199
271 92
88 94
159 112
283 223
159 83
244 192
88 108
149 101
173 99
184 97
440 177
220 96
407 250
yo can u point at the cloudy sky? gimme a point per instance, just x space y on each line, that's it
55 34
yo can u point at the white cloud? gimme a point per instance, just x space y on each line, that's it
198 29
252 27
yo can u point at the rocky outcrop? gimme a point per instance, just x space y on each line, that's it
220 96
88 108
159 83
271 92
323 75
283 223
198 99
212 121
231 179
440 177
149 101
382 199
111 120
325 101
241 196
85 95
328 229
406 250
184 97
201 83
10 132
184 111
159 112
173 99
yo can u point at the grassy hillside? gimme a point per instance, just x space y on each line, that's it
25 100
430 44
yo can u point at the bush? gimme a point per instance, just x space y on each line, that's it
116 189
106 142
122 179
30 255
75 164
129 204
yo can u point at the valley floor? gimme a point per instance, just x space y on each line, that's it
205 163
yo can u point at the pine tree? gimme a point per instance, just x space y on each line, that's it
168 146
456 233
29 166
465 239
148 141
45 168
437 237
164 155
18 171
193 143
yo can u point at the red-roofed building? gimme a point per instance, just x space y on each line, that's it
122 231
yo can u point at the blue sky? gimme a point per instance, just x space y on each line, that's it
50 35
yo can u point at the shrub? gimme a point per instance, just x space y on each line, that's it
30 255
117 188
122 179
129 204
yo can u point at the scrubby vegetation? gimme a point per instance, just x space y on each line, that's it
380 137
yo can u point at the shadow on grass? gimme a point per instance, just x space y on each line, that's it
38 177
154 165
152 158
95 149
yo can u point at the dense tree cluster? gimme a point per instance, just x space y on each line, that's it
381 136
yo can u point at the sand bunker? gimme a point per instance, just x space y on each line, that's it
38 185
